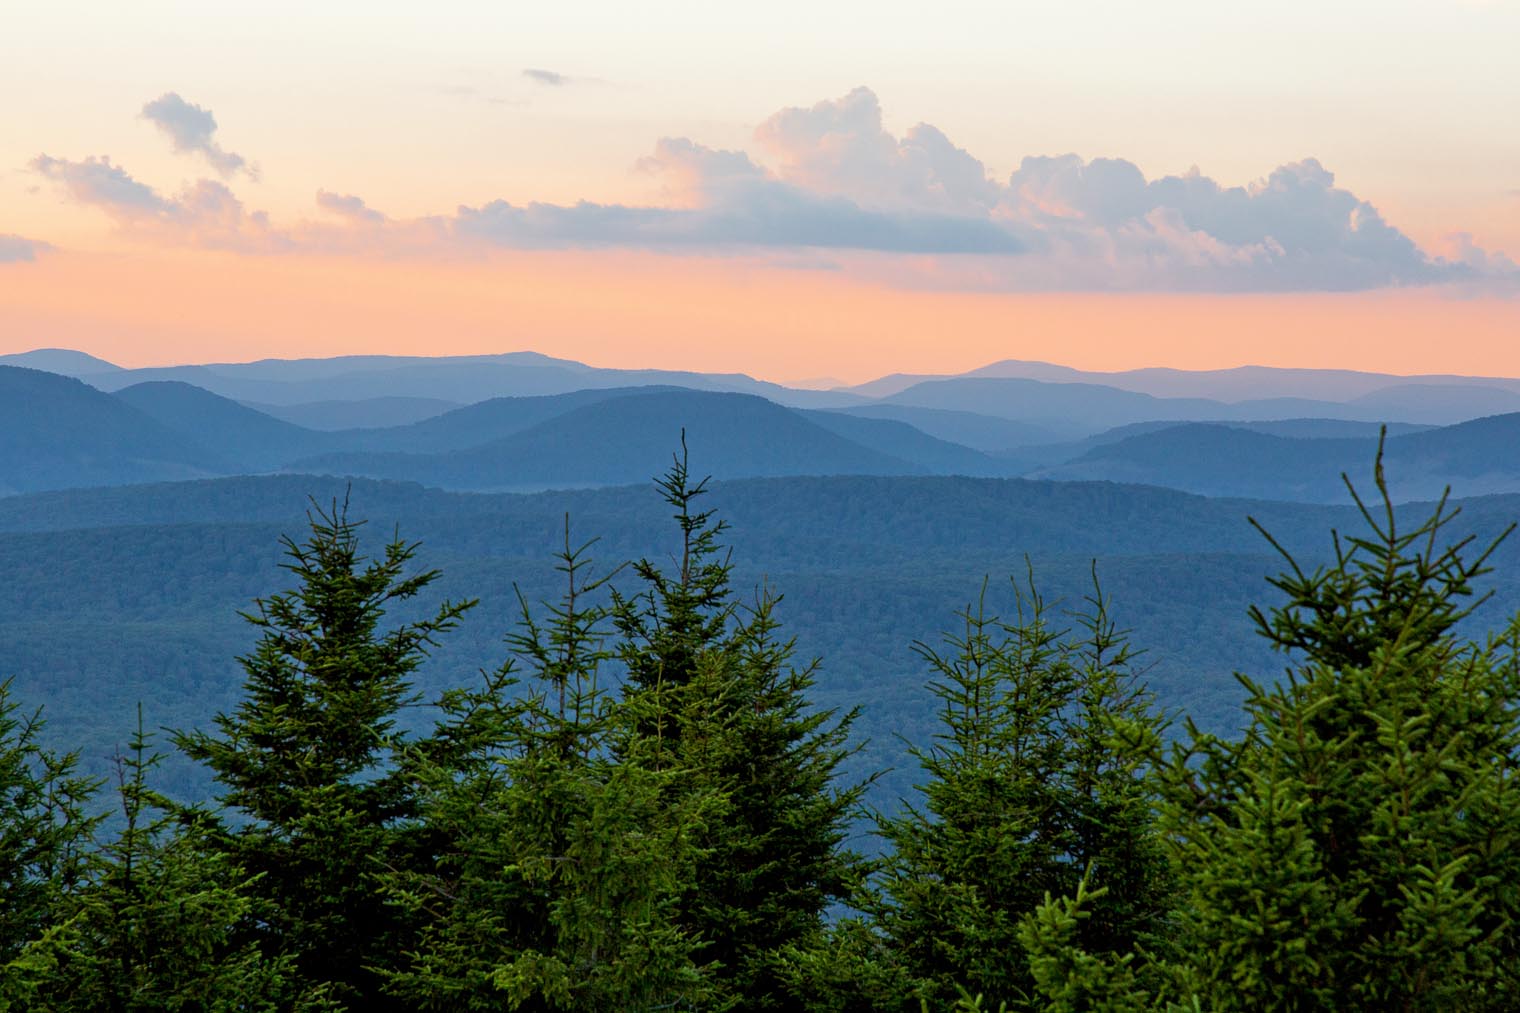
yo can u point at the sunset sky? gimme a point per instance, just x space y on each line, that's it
793 190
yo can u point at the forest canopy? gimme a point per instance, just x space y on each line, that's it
642 808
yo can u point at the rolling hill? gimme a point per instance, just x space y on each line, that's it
121 595
365 413
60 432
246 440
629 438
1474 458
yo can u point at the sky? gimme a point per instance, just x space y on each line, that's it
799 191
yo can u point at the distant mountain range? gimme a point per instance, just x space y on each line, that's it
1242 383
1474 458
402 418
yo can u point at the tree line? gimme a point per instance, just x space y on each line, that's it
639 810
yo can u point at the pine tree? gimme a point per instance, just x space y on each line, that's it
564 854
722 704
1027 787
311 763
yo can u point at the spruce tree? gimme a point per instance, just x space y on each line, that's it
1357 847
157 926
1027 787
563 850
721 702
1370 814
46 833
316 793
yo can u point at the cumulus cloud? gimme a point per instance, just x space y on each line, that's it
839 147
730 202
1293 230
192 129
831 177
17 249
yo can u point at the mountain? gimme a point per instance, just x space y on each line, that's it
1479 457
1028 459
1075 410
1068 409
900 440
629 438
1241 383
366 413
986 433
1441 404
1216 459
60 432
63 361
483 422
463 379
249 441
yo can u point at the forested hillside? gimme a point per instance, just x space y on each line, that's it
645 796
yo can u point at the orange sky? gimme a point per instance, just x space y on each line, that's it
854 172
706 313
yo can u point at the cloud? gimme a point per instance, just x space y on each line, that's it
18 249
205 213
730 202
550 78
95 181
834 179
1293 230
839 147
348 206
192 129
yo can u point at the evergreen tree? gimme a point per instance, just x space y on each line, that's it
1357 847
1027 786
556 888
317 795
155 928
45 837
722 705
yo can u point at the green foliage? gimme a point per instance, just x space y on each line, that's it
1356 847
310 763
1070 979
1028 783
45 838
641 810
1367 819
563 854
721 705
157 926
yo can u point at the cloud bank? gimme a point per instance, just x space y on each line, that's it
830 177
192 130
